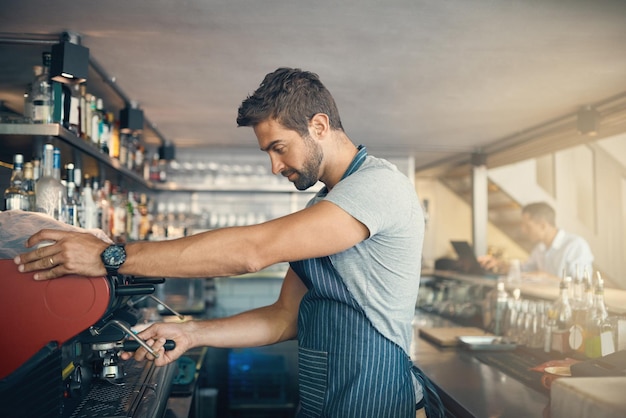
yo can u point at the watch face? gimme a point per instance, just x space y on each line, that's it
114 256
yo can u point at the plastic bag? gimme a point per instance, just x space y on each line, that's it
16 226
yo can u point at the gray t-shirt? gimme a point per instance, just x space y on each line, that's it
382 272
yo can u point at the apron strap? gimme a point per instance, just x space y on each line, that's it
430 401
358 159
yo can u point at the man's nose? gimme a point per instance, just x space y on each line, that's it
277 165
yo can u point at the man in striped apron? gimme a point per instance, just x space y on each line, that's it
347 367
354 253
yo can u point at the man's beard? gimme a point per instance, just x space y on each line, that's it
308 176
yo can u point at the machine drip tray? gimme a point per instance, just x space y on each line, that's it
142 393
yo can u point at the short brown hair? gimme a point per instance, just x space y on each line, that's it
291 97
540 211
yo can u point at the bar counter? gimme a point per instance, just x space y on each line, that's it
470 388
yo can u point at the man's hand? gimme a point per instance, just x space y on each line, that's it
70 253
156 335
489 262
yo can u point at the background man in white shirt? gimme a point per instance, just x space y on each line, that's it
556 251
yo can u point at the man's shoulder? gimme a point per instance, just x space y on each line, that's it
572 239
381 170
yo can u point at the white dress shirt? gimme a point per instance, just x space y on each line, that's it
567 251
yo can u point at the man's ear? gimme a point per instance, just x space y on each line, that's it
319 125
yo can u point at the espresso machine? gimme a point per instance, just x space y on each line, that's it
61 341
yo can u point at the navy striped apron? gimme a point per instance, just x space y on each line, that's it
347 369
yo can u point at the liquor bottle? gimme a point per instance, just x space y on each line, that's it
41 93
90 107
49 191
104 207
29 184
73 119
28 103
94 120
132 218
83 101
502 298
70 212
36 170
599 339
140 153
114 138
514 278
560 319
145 223
580 308
118 225
132 142
123 153
154 168
101 125
588 296
88 210
490 308
15 196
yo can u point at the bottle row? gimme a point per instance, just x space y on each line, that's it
82 201
72 106
76 200
577 322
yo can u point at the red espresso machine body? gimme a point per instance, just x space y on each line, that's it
59 352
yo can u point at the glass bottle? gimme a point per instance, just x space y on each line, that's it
72 202
120 210
114 137
560 319
599 339
28 103
104 208
145 223
74 107
41 93
514 278
502 298
90 108
580 308
123 150
100 124
82 106
15 196
88 212
495 307
154 168
29 184
49 191
36 170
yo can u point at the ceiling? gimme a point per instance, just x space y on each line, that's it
436 80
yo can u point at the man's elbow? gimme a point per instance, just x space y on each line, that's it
255 261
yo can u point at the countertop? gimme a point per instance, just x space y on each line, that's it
470 388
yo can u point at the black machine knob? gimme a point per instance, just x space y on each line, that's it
132 345
146 280
134 289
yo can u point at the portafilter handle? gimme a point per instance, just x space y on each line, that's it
129 345
128 332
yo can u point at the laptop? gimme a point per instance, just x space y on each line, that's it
467 259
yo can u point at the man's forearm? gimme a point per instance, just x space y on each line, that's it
218 253
257 327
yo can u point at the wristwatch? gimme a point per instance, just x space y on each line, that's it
113 257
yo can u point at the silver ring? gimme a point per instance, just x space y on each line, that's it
51 261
